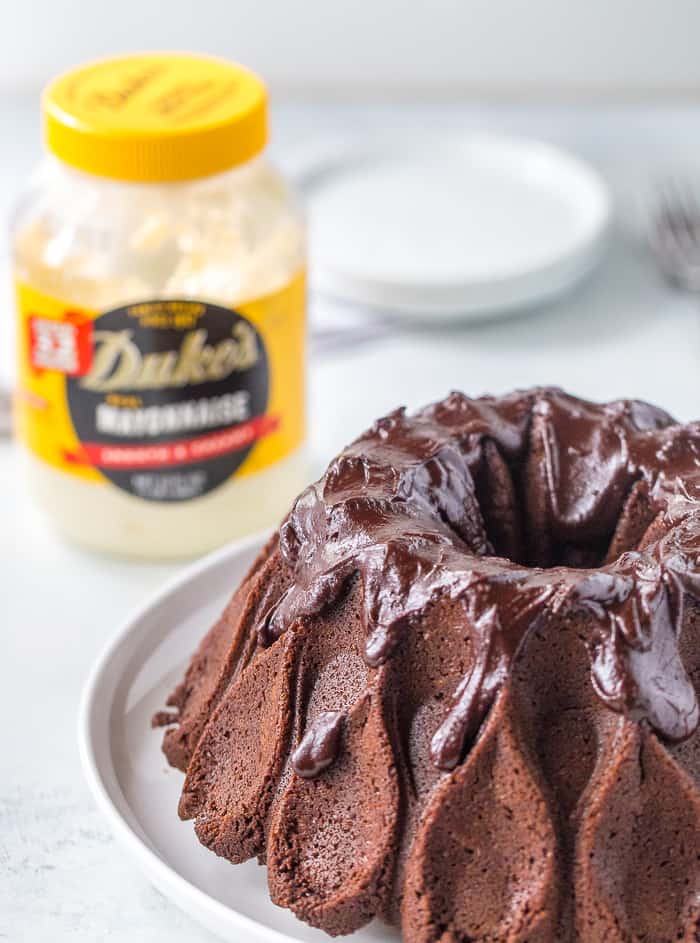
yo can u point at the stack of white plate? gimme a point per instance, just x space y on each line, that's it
451 226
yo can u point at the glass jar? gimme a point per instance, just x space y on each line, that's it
159 266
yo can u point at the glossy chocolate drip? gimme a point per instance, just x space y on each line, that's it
319 745
399 510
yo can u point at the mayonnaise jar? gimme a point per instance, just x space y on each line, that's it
159 270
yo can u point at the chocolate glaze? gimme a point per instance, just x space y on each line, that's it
398 509
319 745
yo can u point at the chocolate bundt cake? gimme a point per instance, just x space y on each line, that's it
459 689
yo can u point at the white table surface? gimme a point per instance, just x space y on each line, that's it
622 333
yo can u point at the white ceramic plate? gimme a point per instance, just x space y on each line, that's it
132 782
450 226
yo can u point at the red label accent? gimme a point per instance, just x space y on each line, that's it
64 346
184 451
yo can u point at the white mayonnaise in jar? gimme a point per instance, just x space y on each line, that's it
159 266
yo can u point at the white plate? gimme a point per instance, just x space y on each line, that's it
132 782
450 226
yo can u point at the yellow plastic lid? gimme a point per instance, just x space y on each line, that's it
156 116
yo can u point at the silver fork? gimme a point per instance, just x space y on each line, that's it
675 233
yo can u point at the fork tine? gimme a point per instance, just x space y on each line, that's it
675 230
691 208
682 207
660 188
664 220
669 202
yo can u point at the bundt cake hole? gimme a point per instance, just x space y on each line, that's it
514 506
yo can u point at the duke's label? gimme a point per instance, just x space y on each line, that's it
163 399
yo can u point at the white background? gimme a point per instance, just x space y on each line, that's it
394 47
